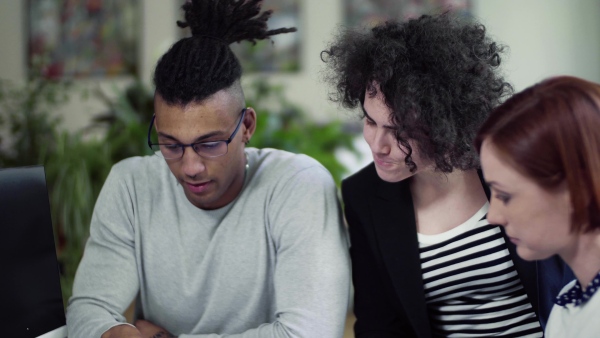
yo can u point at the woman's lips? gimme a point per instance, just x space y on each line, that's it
381 163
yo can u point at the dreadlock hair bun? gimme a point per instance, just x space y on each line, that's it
196 67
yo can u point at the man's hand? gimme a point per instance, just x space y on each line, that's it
149 330
122 331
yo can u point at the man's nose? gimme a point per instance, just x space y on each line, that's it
192 163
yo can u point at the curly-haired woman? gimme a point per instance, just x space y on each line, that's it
426 262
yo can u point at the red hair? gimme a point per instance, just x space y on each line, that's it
550 132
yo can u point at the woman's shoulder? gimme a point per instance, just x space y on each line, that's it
362 179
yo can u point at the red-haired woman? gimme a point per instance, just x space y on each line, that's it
540 154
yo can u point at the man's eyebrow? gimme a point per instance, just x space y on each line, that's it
198 139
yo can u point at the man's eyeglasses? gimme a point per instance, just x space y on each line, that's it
171 151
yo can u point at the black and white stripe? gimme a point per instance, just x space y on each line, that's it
472 288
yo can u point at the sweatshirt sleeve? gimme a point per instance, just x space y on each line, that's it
312 272
106 280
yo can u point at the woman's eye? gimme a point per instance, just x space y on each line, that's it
369 122
503 198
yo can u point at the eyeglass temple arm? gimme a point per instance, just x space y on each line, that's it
150 130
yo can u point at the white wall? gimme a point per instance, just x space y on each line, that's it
546 37
320 19
12 40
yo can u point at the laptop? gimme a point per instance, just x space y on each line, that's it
30 284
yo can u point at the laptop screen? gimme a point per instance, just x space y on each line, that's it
30 284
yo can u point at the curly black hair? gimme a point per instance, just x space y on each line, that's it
196 67
439 75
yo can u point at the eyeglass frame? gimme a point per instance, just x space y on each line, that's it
191 145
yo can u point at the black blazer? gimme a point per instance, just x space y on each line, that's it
389 298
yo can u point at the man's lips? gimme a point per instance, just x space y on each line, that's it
197 188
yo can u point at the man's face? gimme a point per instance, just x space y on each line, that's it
208 183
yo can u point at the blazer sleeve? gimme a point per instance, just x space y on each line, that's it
542 280
376 317
552 275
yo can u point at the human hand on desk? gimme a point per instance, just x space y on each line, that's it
122 331
149 330
142 329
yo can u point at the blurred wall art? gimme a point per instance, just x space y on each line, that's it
82 38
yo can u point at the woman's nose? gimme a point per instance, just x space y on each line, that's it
494 215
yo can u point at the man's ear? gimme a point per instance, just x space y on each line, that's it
249 124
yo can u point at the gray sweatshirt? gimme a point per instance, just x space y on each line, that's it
273 263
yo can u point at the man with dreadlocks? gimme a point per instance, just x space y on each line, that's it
212 238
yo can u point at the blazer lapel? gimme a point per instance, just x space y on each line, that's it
396 234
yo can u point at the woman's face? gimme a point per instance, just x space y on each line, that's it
538 221
379 132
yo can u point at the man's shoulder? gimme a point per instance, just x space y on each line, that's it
139 168
136 163
272 161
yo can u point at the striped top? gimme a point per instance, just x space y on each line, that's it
472 288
